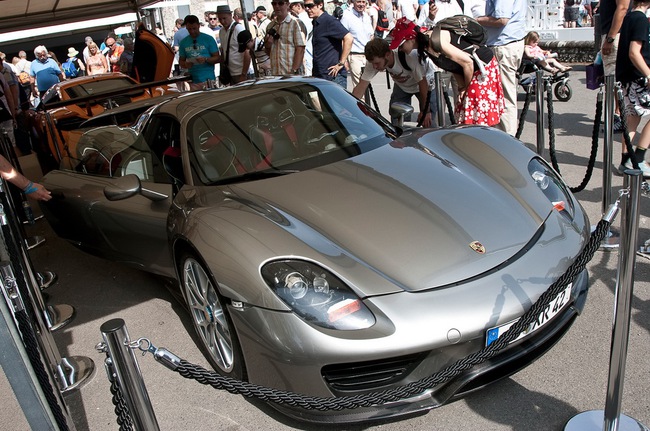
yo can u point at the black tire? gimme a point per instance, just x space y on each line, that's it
210 318
563 92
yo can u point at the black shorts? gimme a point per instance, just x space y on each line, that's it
571 14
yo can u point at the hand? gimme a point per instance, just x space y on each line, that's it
433 10
334 70
427 119
41 193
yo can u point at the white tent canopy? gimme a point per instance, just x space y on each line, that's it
28 14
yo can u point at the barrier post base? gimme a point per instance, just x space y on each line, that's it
594 420
74 371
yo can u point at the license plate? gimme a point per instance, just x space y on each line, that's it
553 308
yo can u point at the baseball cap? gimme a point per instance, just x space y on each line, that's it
404 30
243 38
259 8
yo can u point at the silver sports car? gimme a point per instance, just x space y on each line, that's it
323 251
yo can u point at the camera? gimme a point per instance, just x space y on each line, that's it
273 33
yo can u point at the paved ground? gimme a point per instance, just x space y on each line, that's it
571 378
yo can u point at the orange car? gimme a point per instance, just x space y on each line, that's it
68 104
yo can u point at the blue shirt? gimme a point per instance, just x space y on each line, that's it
327 40
203 46
515 29
46 74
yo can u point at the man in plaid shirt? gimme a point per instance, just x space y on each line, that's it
284 41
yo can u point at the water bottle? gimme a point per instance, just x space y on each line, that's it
29 214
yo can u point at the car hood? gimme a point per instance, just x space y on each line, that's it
425 211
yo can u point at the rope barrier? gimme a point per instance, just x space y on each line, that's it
450 108
524 111
594 139
250 390
374 99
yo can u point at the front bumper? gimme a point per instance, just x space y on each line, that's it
301 373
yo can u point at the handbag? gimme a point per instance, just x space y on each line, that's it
225 78
595 76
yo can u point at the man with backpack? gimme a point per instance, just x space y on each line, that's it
407 72
379 18
73 66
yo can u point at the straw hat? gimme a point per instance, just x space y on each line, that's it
72 52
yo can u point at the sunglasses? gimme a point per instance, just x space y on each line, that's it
213 18
309 5
111 45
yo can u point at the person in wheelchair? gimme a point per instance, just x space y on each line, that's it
542 58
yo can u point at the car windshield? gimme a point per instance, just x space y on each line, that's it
280 131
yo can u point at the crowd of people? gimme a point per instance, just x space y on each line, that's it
409 39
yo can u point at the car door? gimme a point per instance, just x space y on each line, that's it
131 230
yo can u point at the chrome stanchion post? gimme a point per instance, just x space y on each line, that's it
611 241
437 76
611 418
539 105
128 374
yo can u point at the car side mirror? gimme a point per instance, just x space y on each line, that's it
129 186
398 111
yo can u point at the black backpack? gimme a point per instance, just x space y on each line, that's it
382 21
463 26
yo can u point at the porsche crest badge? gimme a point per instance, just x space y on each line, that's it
477 247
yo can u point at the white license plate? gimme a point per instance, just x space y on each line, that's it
553 308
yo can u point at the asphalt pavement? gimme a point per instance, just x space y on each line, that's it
571 378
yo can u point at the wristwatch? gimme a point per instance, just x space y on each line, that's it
340 64
609 39
295 71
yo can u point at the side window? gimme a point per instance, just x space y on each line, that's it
162 139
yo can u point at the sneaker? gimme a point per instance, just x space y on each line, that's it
645 169
618 124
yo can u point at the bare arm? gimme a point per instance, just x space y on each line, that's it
637 58
489 21
459 56
360 89
32 190
298 57
617 21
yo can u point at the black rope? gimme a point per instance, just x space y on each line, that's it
121 409
524 111
450 108
594 139
374 99
31 347
211 378
425 110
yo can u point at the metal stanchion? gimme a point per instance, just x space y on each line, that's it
539 104
612 239
611 418
73 371
128 375
20 374
439 98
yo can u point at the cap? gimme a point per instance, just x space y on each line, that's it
242 39
404 30
223 9
72 52
296 1
260 8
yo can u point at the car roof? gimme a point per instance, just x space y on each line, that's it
189 103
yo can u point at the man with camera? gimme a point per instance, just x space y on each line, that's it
284 41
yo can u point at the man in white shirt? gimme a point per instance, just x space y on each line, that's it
408 9
297 9
231 57
357 21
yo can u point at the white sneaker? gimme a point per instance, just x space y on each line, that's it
645 169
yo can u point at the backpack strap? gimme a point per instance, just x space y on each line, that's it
434 39
401 56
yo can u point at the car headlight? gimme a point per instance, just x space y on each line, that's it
316 295
552 187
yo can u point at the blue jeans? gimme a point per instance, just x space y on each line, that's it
341 80
399 95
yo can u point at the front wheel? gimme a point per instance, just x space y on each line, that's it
563 92
210 319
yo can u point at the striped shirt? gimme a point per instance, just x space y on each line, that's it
284 48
